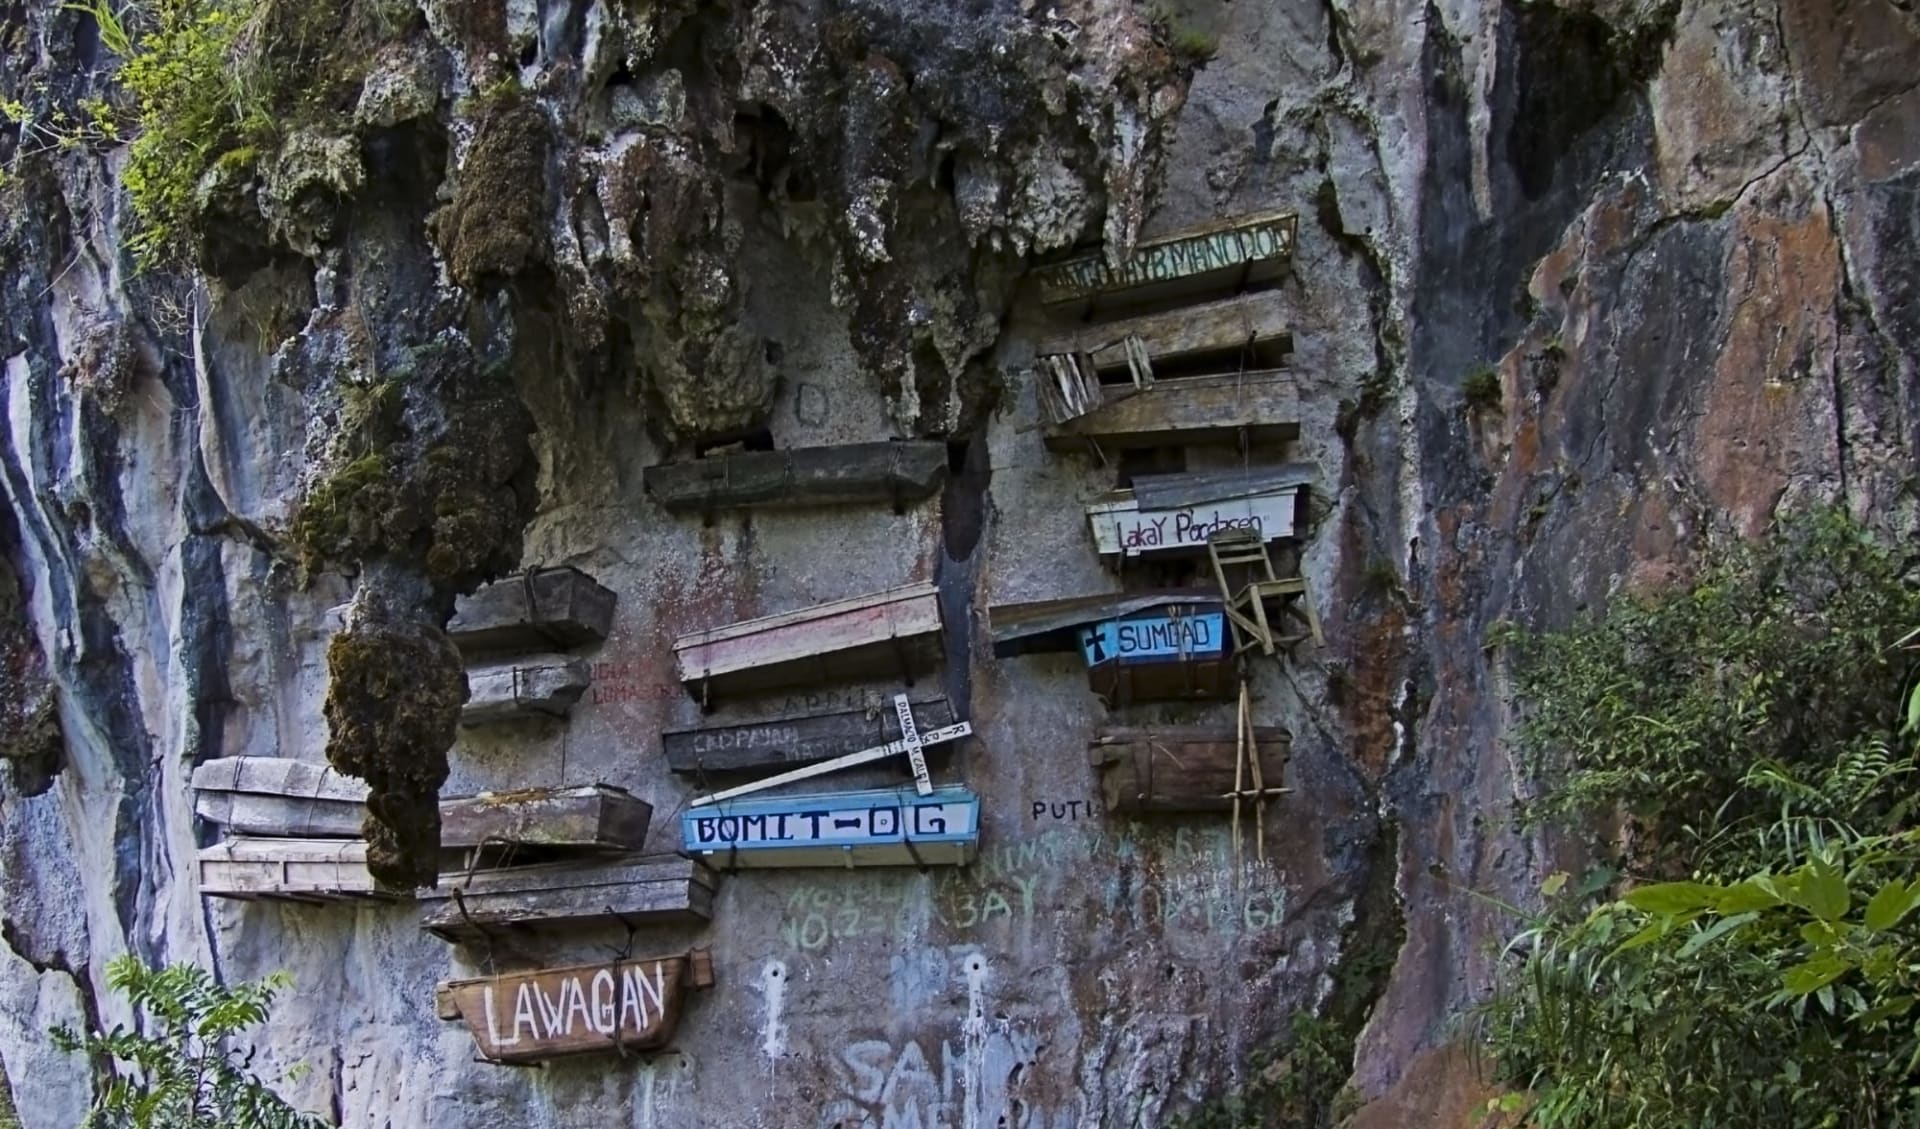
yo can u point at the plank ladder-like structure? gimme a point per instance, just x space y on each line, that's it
1265 601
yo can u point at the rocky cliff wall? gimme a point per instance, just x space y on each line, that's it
1673 236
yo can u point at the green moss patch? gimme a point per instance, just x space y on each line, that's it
497 223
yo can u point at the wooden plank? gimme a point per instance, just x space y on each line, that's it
849 473
278 776
596 816
287 868
1180 769
1265 408
251 813
913 744
612 1008
1212 325
1192 488
1218 255
548 608
865 634
538 686
1122 528
1044 626
635 890
880 827
793 741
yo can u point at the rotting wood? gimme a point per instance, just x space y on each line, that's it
289 870
911 742
633 890
594 816
851 473
537 686
793 741
840 640
878 827
1181 768
1081 371
540 610
1259 408
1221 255
611 1008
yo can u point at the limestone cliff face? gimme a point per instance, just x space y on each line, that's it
540 245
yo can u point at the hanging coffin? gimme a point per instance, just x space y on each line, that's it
794 741
627 1005
1182 769
1176 513
631 890
548 609
537 686
270 796
293 870
1170 653
847 474
896 631
882 827
1212 259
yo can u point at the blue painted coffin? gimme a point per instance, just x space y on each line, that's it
1171 634
882 827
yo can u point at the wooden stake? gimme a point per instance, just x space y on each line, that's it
1239 772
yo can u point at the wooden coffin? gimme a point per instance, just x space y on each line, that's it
538 686
897 631
551 608
1176 513
1259 408
793 741
849 473
1054 626
1098 362
294 870
1213 258
635 889
268 796
1169 653
1180 769
625 1005
879 827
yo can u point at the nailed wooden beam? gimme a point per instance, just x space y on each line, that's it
633 890
537 686
793 741
1181 768
849 473
542 610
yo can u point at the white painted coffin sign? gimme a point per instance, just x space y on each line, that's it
1120 526
881 827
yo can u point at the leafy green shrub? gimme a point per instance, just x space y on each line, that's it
177 1070
1777 655
1752 723
1481 390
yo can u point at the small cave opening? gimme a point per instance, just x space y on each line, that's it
768 147
1572 70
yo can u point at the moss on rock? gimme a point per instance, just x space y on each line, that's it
394 695
496 225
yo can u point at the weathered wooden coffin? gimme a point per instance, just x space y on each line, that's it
1100 362
285 799
896 631
879 827
636 889
627 1005
793 741
538 686
1179 769
295 870
542 610
1054 626
848 473
1176 513
1216 257
1262 408
1168 653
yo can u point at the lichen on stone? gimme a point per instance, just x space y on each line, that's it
394 693
105 363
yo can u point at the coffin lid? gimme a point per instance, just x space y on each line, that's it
1176 491
1053 625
